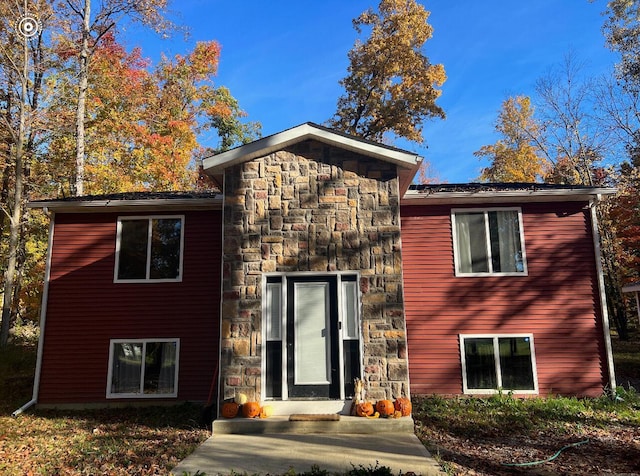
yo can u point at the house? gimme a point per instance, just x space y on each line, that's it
317 264
634 288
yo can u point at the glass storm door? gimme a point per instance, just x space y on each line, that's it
312 338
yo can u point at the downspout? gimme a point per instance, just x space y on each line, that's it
603 295
43 318
218 372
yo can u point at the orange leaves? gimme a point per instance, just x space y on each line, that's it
143 123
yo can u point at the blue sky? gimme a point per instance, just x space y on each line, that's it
282 60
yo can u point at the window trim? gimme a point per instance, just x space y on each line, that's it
149 219
143 395
496 352
485 211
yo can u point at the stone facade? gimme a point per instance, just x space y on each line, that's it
313 208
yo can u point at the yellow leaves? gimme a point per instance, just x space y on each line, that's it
391 86
514 158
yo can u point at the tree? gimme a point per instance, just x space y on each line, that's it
514 157
143 128
142 123
391 86
22 70
85 30
426 174
561 143
622 34
571 136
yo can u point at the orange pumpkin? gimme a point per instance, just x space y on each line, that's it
230 409
364 409
384 407
403 405
251 409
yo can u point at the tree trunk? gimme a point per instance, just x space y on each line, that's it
82 96
16 215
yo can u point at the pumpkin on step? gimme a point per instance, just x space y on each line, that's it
240 399
230 409
251 409
364 409
385 408
266 411
403 405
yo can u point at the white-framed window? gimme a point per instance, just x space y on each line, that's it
488 242
350 303
143 368
491 363
149 249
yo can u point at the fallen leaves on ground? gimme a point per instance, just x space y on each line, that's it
128 441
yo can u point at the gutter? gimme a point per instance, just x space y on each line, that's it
43 319
603 295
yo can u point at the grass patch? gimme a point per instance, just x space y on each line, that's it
505 415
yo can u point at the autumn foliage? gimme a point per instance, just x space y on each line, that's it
143 123
391 86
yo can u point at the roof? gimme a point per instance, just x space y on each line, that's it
408 162
461 193
141 201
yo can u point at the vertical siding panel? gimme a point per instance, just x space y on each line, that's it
557 301
86 308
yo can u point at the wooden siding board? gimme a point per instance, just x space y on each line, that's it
86 308
556 302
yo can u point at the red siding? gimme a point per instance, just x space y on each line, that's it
557 302
86 308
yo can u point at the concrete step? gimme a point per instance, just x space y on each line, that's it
281 424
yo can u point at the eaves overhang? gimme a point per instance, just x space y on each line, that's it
152 203
461 194
217 163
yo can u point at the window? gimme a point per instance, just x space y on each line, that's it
492 363
488 242
143 368
149 249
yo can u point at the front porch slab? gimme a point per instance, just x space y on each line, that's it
348 425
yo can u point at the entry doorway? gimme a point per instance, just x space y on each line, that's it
311 336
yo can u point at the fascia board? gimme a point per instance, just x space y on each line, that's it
125 205
631 288
279 141
413 197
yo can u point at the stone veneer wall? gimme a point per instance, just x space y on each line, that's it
312 207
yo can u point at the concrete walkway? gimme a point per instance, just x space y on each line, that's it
336 452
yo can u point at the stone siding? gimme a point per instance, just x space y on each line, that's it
313 208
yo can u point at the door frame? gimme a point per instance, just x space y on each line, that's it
266 315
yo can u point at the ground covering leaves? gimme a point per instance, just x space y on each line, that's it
468 436
483 436
117 441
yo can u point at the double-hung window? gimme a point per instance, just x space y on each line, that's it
143 368
488 242
498 362
149 248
